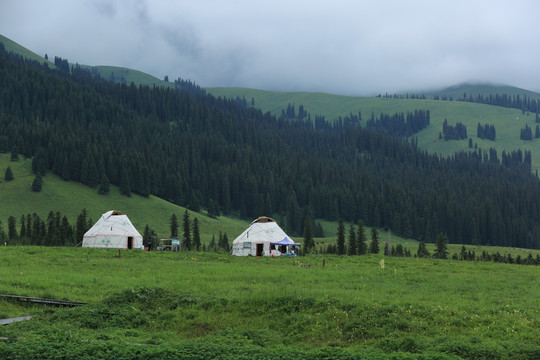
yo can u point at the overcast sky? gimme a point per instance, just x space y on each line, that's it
343 47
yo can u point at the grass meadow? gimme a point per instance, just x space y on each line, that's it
208 304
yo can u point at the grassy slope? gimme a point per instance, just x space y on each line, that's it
129 75
13 47
70 198
507 122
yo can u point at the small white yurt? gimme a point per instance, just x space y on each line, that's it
113 230
263 237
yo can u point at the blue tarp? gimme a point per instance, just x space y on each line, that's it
285 241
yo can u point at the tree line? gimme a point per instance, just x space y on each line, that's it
199 151
356 243
400 124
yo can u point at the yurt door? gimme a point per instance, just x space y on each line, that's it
260 248
130 242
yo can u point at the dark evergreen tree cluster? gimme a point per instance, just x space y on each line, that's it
523 103
61 64
517 160
526 133
457 132
55 230
470 255
486 132
194 149
400 124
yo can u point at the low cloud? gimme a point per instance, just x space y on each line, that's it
344 47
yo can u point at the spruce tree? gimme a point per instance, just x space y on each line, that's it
104 185
422 251
308 235
212 246
341 238
12 228
361 239
8 176
387 249
173 225
196 235
374 246
441 252
187 232
22 232
80 225
352 248
225 242
37 184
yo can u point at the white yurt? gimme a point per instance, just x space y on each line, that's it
113 230
263 237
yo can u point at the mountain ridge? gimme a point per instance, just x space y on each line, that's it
141 78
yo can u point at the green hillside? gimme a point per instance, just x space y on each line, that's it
70 198
13 47
121 74
507 122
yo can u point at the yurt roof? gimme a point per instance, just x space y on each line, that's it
264 230
113 222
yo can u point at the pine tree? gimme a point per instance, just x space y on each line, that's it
81 226
308 235
361 239
149 237
352 248
37 184
441 252
422 251
196 235
174 226
212 246
387 249
341 238
12 228
8 176
374 246
187 232
225 242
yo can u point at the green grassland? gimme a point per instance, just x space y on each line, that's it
507 122
199 304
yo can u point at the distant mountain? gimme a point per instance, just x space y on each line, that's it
484 89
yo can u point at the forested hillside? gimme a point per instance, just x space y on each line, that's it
196 150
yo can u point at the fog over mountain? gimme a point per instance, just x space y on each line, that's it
342 47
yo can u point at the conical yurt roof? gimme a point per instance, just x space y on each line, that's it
113 223
262 230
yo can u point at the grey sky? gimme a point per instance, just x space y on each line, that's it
343 47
